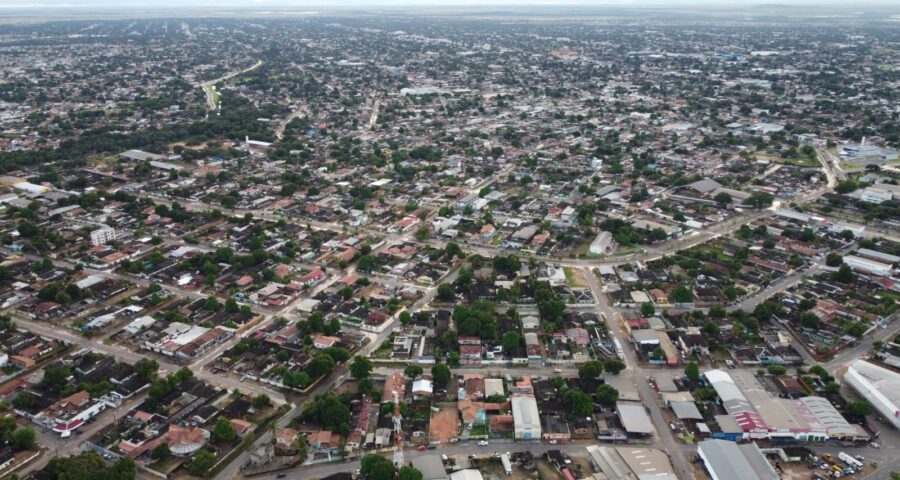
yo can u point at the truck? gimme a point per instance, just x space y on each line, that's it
850 461
507 465
619 352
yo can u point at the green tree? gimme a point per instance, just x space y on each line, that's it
412 371
55 378
834 260
201 463
810 320
376 467
409 473
183 374
846 186
446 293
23 401
647 309
321 364
23 439
361 367
722 198
231 306
511 341
844 274
89 466
759 199
223 431
710 329
211 304
365 263
776 370
607 395
589 370
261 401
692 371
440 374
859 408
682 294
613 366
146 368
161 451
579 402
365 387
27 229
329 411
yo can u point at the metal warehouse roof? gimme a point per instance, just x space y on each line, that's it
727 461
686 410
634 418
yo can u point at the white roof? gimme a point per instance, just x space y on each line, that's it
422 385
89 281
493 386
884 257
727 460
139 324
525 412
431 466
647 463
635 418
182 251
467 474
639 296
880 386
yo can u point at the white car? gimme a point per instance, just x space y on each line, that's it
874 445
483 443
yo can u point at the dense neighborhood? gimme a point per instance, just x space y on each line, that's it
416 247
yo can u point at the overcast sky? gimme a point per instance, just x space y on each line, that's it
374 4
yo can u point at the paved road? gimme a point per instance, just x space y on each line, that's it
471 448
128 356
57 446
334 379
207 86
666 440
648 254
845 357
279 130
778 286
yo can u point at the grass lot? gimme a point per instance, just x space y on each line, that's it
575 277
801 160
214 94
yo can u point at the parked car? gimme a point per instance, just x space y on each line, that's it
483 443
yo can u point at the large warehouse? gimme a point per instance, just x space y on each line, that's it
526 418
635 420
762 415
630 463
878 385
726 460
